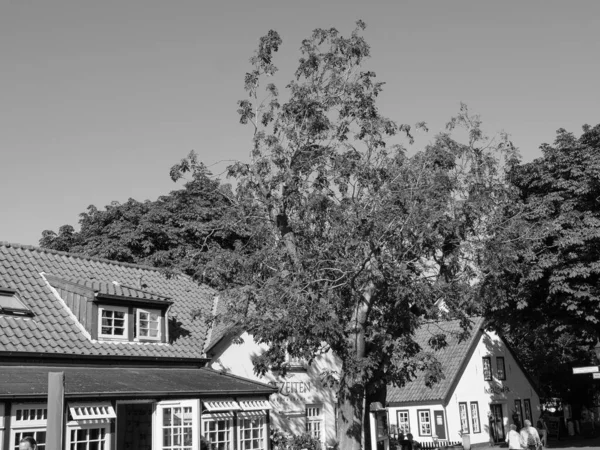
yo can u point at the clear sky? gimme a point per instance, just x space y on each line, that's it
99 98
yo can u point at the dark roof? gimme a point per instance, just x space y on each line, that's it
32 382
453 358
54 330
113 289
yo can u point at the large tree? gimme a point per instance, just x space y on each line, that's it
545 296
353 241
179 231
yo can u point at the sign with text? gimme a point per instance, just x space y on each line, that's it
589 369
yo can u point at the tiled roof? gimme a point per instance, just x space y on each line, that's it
54 330
115 289
221 326
452 357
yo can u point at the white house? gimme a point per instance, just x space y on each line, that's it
485 390
305 402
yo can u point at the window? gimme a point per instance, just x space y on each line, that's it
314 420
177 427
464 417
527 404
148 324
487 368
519 412
217 428
252 431
112 323
500 370
475 423
424 417
29 419
403 422
88 439
11 304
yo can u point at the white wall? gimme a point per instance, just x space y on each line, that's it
296 390
473 388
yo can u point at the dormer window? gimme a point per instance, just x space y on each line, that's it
11 304
113 322
148 324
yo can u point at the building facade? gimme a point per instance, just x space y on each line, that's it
131 354
484 391
305 401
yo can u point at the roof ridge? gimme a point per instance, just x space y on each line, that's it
77 256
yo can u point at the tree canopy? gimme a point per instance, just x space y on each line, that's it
544 278
353 241
176 232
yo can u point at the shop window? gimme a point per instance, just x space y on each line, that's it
403 421
500 369
177 424
424 416
113 322
217 428
93 438
464 417
475 422
314 420
148 324
487 368
527 404
252 431
28 419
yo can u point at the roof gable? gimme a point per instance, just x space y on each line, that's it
453 358
54 329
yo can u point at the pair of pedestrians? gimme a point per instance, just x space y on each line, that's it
528 438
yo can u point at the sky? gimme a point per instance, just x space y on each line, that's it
99 99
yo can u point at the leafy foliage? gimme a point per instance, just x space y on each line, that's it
353 242
546 296
179 231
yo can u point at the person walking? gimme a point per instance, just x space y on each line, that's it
530 439
513 438
543 429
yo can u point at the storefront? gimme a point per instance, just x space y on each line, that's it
136 408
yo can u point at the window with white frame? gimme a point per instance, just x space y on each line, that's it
88 438
475 422
112 323
28 419
148 323
464 417
403 421
314 420
218 429
177 425
424 416
252 430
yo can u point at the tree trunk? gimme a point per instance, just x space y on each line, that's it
352 413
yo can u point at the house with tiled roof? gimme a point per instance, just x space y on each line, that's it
484 390
305 401
125 341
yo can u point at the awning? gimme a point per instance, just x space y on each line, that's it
92 412
31 382
226 404
254 405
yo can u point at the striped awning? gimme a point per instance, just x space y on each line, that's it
92 411
255 405
226 404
